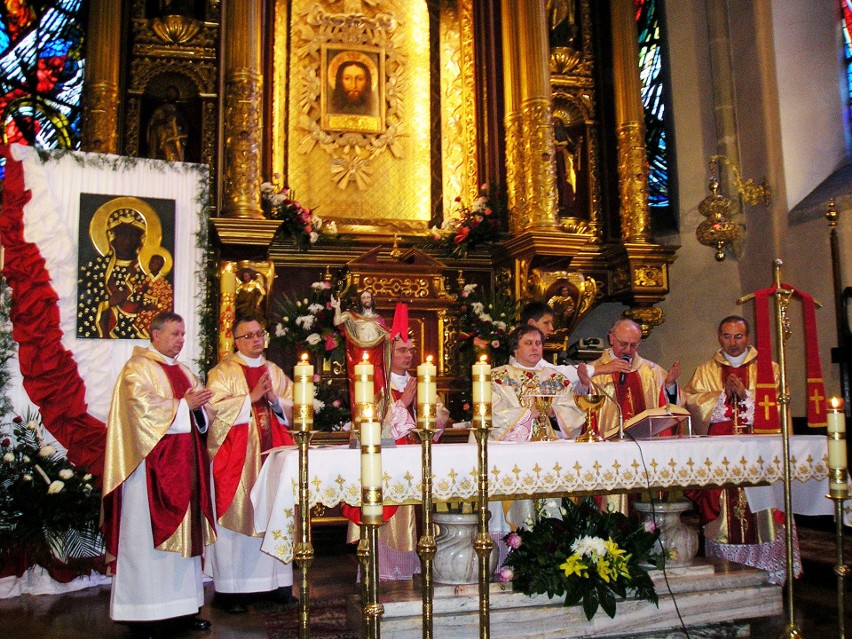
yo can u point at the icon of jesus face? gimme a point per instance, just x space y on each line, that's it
354 80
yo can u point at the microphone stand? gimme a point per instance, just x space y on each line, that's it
600 389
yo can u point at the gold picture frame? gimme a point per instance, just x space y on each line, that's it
352 81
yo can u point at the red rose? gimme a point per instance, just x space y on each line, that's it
462 234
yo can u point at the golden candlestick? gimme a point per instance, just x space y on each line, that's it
482 544
371 519
838 491
591 403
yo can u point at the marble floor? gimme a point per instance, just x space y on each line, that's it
84 614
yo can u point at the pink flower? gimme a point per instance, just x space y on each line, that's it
506 575
466 406
336 403
487 210
513 541
495 344
316 379
649 525
330 342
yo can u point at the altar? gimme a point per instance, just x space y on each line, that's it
518 470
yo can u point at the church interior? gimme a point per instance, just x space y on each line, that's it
654 160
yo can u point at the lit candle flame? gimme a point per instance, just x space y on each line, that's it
365 357
429 358
483 358
836 403
304 357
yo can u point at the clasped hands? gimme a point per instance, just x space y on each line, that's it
262 389
735 389
197 396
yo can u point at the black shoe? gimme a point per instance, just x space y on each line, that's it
196 623
233 604
189 623
282 595
145 629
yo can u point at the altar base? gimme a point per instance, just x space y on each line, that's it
707 594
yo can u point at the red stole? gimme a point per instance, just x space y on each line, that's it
170 492
630 397
231 457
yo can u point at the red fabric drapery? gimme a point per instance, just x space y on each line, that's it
49 372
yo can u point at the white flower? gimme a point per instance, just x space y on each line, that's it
317 221
315 308
331 228
87 488
305 321
32 424
26 459
55 487
87 477
9 458
436 232
317 286
589 546
47 451
313 339
318 405
267 188
27 477
314 237
485 317
278 199
477 307
500 325
66 473
280 331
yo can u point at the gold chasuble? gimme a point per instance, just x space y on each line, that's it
235 449
644 388
143 408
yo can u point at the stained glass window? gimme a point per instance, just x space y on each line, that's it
41 71
846 27
654 95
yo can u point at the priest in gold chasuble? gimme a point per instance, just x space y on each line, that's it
157 510
636 383
254 402
720 397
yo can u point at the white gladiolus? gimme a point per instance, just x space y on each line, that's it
313 339
9 458
66 473
47 451
55 487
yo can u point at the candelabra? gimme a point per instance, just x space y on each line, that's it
483 544
838 491
303 418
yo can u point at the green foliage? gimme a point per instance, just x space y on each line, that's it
588 556
331 408
307 325
485 322
467 227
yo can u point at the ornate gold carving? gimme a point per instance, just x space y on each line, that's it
515 191
620 279
352 153
131 142
563 60
539 171
647 317
175 29
397 286
648 276
204 75
100 118
633 183
243 120
467 53
575 225
570 294
245 231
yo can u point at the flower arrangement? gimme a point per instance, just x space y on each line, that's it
300 222
308 324
469 226
587 555
331 409
49 510
486 321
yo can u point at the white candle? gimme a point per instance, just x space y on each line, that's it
371 469
836 423
481 373
427 387
303 392
364 381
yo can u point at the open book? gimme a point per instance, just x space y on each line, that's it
666 421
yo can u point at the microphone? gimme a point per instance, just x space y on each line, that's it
623 377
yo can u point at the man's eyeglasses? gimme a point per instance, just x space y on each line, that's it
260 334
623 345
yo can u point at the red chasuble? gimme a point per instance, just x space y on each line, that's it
169 492
231 457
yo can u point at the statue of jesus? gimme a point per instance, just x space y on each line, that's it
366 332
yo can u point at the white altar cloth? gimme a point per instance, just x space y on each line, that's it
535 468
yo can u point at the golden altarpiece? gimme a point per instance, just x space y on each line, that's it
540 100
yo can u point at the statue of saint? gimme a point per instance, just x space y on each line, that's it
167 129
251 294
563 306
562 20
568 165
366 332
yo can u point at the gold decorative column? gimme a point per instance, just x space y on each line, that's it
529 124
242 106
630 127
100 104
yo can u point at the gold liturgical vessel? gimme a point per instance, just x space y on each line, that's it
591 403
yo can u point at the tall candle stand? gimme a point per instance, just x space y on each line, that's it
426 545
838 491
303 418
371 520
483 544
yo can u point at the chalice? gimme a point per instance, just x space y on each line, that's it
591 403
